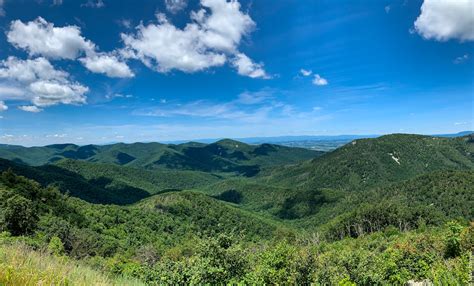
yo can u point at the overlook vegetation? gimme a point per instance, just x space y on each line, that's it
375 211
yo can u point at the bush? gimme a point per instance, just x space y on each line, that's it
19 216
56 246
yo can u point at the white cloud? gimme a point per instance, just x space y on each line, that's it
443 20
175 6
39 82
306 72
57 2
39 37
30 70
94 4
245 66
107 64
47 93
11 92
461 59
318 80
212 36
164 47
387 9
30 108
224 27
460 123
3 106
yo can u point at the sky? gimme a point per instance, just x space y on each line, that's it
101 71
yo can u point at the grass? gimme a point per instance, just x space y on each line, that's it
20 265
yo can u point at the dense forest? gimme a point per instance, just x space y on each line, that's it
380 211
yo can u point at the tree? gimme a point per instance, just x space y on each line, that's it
19 215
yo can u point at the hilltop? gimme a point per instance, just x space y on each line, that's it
369 162
222 156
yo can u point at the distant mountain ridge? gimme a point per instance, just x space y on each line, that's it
288 138
222 156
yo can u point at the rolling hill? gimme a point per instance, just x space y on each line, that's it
366 163
222 156
317 187
376 211
107 183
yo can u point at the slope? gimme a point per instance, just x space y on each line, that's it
109 184
222 156
369 162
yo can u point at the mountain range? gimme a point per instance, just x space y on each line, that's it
129 204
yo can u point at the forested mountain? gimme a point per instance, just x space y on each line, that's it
375 211
107 183
365 163
222 156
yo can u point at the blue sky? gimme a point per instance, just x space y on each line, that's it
91 71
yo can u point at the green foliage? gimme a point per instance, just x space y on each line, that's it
222 156
18 215
355 216
453 239
374 162
56 246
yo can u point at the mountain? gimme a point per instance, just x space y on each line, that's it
107 183
376 211
316 187
222 156
164 220
365 163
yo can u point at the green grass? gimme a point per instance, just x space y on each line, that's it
20 265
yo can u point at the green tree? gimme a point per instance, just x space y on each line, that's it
19 215
56 246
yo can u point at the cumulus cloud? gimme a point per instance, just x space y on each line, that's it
3 106
318 80
47 93
209 40
30 108
39 82
245 66
175 6
11 92
29 70
443 20
39 37
164 47
107 64
305 72
387 9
